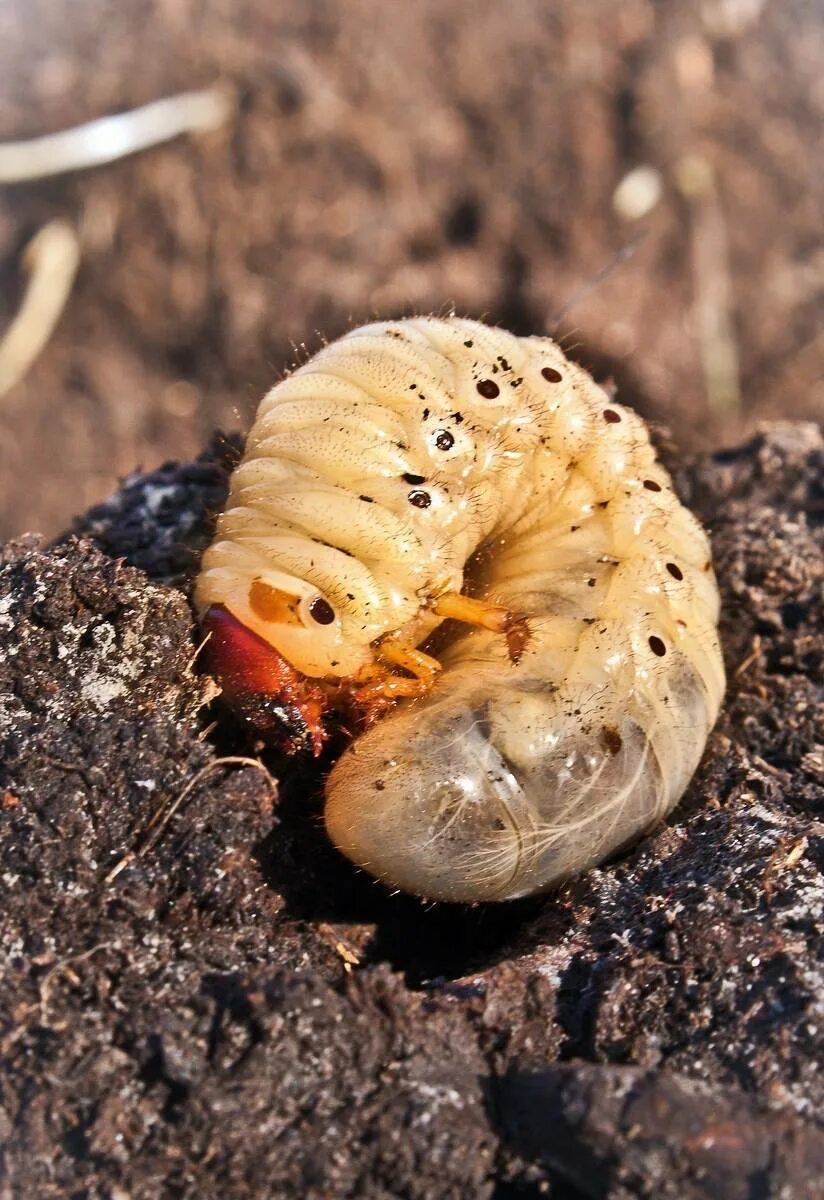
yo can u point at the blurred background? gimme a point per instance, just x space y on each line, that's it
640 178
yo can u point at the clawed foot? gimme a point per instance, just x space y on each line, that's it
484 615
381 683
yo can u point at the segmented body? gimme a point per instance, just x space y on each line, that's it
422 457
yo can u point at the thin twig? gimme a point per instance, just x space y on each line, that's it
63 965
622 255
151 834
754 653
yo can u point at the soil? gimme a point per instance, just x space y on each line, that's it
384 159
199 997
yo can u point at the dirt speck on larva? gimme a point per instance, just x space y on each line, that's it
238 1012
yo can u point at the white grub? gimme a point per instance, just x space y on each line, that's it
107 139
52 258
638 193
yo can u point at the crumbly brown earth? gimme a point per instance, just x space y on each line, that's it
200 998
390 158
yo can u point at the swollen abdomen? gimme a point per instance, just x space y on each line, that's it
507 782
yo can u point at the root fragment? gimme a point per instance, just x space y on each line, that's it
107 139
52 258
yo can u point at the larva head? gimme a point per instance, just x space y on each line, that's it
262 686
271 637
289 614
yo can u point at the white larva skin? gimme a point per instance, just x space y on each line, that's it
507 777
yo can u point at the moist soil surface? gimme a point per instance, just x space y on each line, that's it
387 159
199 997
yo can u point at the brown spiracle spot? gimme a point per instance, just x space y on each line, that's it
488 388
551 375
611 739
675 571
413 479
611 416
652 486
657 646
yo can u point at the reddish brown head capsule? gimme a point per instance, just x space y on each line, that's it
283 706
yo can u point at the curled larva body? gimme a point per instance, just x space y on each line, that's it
410 462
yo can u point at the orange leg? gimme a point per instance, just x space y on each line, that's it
379 682
487 616
424 667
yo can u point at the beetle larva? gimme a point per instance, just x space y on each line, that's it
436 468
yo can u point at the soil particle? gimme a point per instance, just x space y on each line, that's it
198 997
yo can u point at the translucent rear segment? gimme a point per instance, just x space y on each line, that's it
491 794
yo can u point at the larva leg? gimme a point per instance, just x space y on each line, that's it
382 684
487 616
424 667
379 682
